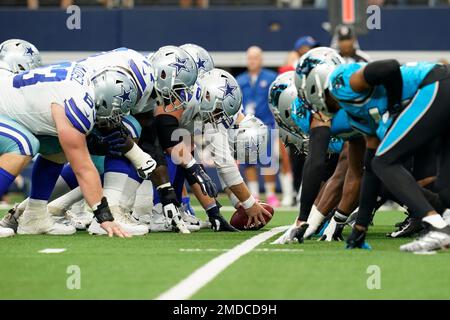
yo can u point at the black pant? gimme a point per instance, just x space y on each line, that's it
432 122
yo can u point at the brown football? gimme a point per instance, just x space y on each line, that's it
239 218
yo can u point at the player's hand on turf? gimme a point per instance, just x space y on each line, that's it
256 215
333 231
114 229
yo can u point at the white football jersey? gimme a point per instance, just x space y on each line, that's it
136 64
27 97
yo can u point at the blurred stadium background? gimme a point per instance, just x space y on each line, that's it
411 30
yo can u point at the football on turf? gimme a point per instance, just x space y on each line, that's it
239 218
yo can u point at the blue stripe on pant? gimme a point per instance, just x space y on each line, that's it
15 138
409 117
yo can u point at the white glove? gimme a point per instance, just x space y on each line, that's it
288 236
142 161
172 214
145 169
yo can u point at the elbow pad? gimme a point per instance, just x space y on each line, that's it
386 73
165 127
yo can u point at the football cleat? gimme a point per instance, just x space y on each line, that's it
42 224
9 220
407 228
192 222
432 239
124 220
6 232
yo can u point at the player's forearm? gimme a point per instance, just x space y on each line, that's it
205 200
90 184
240 191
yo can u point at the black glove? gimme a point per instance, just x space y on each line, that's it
357 239
102 213
198 175
218 222
110 144
334 229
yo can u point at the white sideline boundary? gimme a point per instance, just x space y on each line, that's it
187 287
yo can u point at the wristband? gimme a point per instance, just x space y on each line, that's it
191 163
102 212
234 200
136 156
247 204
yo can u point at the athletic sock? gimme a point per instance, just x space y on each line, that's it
287 186
63 203
143 202
6 179
115 178
60 189
270 188
253 186
314 220
35 208
43 178
436 221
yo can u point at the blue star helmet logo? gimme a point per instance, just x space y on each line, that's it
228 89
29 51
180 65
254 145
201 63
124 96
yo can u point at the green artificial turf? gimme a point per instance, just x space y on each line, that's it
144 267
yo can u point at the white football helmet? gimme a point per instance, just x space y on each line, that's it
115 92
282 94
249 140
220 97
175 73
313 58
201 57
19 55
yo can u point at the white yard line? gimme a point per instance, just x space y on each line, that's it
52 250
205 274
225 250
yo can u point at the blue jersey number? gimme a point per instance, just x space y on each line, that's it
49 74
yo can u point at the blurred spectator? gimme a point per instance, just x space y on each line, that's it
117 3
198 3
347 45
34 4
290 3
255 84
291 61
304 44
379 2
320 3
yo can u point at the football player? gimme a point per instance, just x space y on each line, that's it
405 107
50 110
292 114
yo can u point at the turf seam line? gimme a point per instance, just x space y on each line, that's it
187 287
